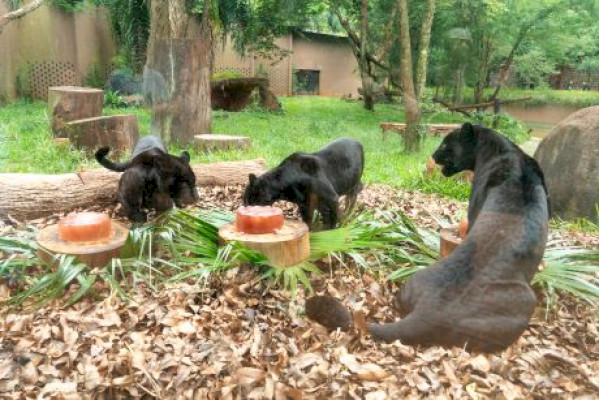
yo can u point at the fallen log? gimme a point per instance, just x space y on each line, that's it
488 104
29 196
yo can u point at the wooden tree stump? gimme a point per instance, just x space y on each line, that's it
120 132
288 246
70 103
94 255
211 142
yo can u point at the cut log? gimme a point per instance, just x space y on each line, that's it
288 246
70 103
28 196
94 255
119 132
212 142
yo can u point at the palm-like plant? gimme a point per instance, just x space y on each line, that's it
182 245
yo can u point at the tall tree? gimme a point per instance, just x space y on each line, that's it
178 69
367 81
413 83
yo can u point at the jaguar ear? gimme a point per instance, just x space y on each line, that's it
253 179
468 128
309 165
469 131
185 157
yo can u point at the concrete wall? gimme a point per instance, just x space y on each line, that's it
333 57
57 48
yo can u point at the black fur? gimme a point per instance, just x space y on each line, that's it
313 181
152 178
480 295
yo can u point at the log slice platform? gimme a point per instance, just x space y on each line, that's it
288 246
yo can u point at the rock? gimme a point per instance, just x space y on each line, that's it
569 158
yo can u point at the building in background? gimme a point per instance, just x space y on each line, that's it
316 64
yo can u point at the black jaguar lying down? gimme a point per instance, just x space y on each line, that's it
152 178
313 181
479 296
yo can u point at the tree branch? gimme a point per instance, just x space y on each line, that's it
19 13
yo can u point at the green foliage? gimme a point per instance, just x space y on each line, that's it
453 187
226 75
23 82
95 76
68 5
566 98
504 124
130 20
114 100
579 224
183 246
570 271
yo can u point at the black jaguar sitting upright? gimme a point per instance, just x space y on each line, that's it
152 178
313 181
479 296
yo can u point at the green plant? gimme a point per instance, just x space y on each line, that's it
68 5
453 187
113 100
571 271
23 82
95 76
579 224
504 124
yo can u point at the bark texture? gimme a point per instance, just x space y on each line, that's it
119 132
70 103
178 69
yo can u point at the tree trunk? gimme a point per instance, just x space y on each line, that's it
28 196
483 69
423 47
411 137
508 63
178 70
367 81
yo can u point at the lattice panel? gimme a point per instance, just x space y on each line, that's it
245 71
52 73
278 77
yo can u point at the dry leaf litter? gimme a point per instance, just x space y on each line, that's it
236 337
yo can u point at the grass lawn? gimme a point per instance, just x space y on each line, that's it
307 124
568 98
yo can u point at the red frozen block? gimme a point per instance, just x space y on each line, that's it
259 219
84 227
